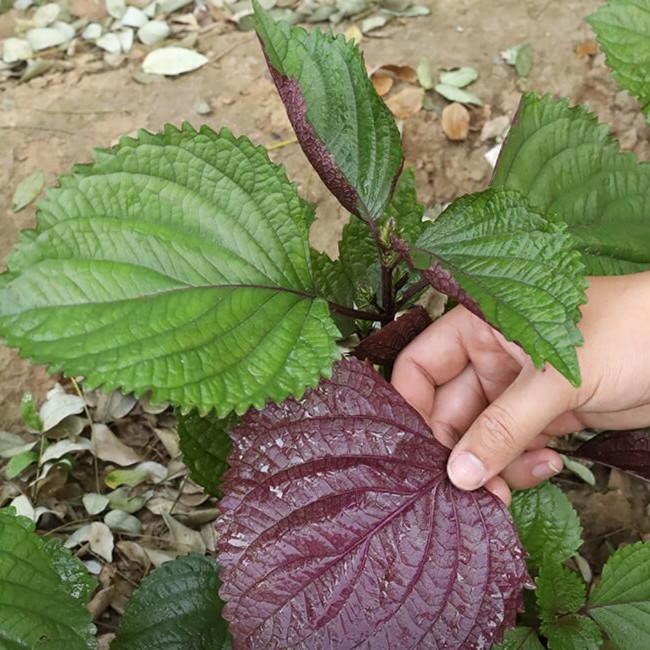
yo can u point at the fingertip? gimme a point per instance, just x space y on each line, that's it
532 468
466 470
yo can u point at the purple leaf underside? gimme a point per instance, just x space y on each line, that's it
384 345
628 451
340 529
314 148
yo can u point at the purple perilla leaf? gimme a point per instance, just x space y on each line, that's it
340 529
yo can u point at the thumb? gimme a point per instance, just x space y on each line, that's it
504 429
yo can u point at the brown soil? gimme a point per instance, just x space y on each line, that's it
54 121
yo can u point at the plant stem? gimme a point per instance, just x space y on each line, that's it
178 494
388 294
37 484
396 262
387 289
90 424
358 314
412 291
399 285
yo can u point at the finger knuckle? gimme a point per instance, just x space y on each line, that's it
500 428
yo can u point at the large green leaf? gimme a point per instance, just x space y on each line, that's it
334 284
39 608
177 607
560 591
74 576
520 638
548 526
623 31
573 632
345 129
205 445
518 270
560 595
620 603
331 280
567 163
176 262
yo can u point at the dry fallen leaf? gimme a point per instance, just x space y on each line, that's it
133 552
110 448
153 32
116 8
170 441
196 517
101 541
69 427
92 31
58 406
12 444
160 505
458 77
54 480
586 48
121 499
209 536
193 500
147 471
122 522
172 61
110 43
373 23
382 83
158 557
65 446
100 602
121 594
113 406
23 507
94 567
494 128
425 74
43 38
184 539
405 73
406 102
455 121
94 503
29 188
79 536
454 94
134 17
46 14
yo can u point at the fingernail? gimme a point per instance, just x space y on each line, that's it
466 471
546 470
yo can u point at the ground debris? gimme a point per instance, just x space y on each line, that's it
455 122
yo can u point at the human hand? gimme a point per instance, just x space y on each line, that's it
483 397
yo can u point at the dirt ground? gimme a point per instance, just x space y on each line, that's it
54 121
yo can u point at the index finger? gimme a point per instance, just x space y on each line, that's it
433 358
